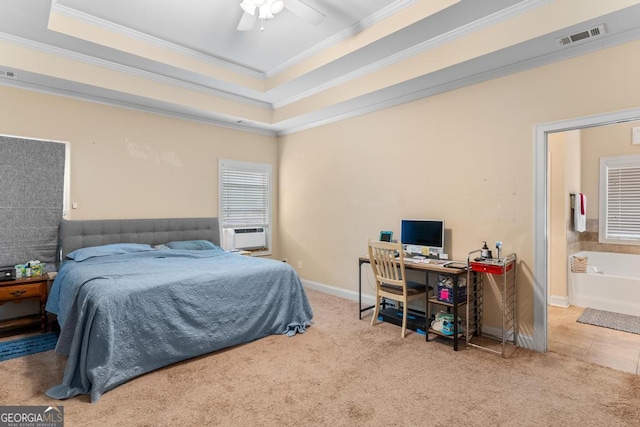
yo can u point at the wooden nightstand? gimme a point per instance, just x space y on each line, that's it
22 289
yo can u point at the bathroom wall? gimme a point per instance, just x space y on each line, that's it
597 142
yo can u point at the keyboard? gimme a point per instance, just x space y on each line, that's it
418 260
438 261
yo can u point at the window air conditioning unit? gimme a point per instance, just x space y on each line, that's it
245 238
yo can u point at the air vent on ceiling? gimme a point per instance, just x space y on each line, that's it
582 35
8 74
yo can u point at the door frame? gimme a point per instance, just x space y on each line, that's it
541 202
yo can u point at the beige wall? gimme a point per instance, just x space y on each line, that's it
564 179
129 164
602 141
465 156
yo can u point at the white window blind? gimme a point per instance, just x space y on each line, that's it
622 200
245 194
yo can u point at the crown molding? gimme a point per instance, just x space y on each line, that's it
462 31
260 128
128 32
194 54
343 35
392 96
230 123
541 60
327 84
110 65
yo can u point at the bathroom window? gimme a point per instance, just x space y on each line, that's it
620 200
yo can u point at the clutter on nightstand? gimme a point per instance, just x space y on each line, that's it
30 269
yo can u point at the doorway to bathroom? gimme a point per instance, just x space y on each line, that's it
541 203
573 165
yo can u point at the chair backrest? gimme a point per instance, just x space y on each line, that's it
387 268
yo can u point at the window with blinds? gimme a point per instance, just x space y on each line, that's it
245 196
620 200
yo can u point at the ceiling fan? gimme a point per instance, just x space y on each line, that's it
266 9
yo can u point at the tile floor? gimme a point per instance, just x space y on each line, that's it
608 347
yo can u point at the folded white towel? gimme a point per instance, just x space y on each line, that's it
580 212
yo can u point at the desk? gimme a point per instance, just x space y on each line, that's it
452 272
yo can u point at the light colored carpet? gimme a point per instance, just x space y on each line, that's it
343 372
608 319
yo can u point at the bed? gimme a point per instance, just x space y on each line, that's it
128 304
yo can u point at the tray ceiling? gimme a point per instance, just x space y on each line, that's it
187 59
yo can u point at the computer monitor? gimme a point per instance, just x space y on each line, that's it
423 233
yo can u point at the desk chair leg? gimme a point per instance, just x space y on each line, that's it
376 311
403 333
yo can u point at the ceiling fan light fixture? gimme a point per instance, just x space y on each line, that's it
277 6
265 12
248 6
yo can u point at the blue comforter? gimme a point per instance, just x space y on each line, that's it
124 315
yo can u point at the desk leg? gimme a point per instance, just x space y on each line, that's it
426 310
455 313
360 290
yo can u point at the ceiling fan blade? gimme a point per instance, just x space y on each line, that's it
247 22
305 12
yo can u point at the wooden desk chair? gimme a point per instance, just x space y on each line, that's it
390 277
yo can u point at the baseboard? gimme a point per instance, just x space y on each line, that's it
524 341
559 301
338 292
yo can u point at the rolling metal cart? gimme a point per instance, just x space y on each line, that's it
503 272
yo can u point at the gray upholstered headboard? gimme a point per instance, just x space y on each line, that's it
84 233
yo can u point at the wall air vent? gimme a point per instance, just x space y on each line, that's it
582 35
8 74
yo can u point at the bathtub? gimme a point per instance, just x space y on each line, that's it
611 283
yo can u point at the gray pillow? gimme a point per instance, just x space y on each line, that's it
104 250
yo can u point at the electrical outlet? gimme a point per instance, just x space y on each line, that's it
300 264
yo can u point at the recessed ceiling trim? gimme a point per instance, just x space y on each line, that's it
221 121
414 95
462 31
128 32
194 54
343 35
113 66
282 128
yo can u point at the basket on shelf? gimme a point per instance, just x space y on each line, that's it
579 264
445 290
